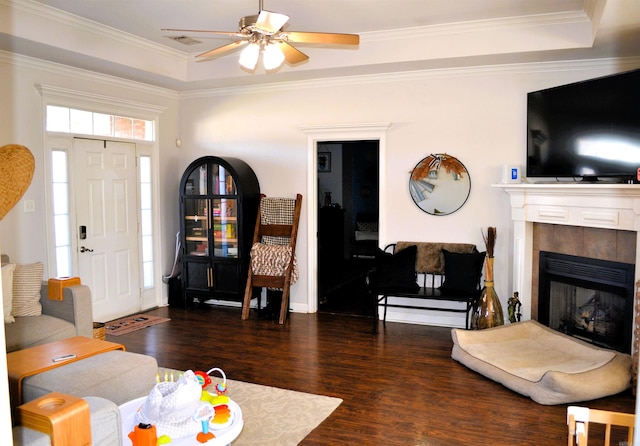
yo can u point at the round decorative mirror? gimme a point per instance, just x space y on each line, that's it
440 184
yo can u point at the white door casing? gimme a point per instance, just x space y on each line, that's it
338 132
106 204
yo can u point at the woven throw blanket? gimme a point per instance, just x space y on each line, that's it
272 260
276 211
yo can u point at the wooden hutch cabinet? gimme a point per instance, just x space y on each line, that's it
218 205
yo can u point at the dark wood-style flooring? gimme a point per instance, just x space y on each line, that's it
342 287
400 387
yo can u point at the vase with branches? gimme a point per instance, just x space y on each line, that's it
487 312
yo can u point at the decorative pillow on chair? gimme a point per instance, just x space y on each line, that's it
7 291
27 281
462 272
396 271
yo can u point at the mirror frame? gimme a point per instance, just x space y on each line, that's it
440 184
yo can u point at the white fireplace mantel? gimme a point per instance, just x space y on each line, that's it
610 206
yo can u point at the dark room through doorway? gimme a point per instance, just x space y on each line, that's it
348 211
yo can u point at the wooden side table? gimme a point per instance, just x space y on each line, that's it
34 360
65 418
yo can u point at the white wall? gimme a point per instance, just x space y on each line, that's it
23 235
477 115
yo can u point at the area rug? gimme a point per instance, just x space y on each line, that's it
132 323
273 416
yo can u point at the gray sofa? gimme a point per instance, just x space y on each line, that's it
105 427
72 316
104 380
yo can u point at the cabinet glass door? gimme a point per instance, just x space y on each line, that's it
196 225
196 183
225 227
223 183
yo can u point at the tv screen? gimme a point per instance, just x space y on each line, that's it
588 130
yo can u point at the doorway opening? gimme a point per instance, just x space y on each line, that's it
348 219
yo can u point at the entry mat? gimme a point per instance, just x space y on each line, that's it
131 323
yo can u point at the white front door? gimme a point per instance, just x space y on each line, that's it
107 226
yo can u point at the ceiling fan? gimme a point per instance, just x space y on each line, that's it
264 33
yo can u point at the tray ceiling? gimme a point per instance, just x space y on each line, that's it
125 38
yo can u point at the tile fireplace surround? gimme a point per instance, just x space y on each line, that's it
578 219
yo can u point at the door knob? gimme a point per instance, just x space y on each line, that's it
83 249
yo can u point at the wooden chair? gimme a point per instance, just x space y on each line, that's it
271 266
579 418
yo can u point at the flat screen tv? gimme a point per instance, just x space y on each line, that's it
587 131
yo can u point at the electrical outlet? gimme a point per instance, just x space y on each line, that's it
29 205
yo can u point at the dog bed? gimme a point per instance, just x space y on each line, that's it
543 364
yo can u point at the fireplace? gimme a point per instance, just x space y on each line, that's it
607 214
590 299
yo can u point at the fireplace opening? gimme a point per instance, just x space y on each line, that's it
590 299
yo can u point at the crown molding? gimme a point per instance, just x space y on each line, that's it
475 26
550 19
66 94
71 21
78 73
346 128
620 64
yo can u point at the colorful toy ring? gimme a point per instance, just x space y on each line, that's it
203 378
221 388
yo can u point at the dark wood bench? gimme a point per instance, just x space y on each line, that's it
429 274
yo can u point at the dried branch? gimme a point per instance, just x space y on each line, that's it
490 240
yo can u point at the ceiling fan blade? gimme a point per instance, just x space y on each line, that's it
330 38
292 55
204 31
271 22
221 50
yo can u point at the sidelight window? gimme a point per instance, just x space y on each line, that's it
61 219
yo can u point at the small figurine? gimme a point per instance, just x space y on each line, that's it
513 307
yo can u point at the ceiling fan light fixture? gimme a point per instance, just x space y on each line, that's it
273 57
249 56
263 35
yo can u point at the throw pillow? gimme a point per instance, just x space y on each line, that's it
462 272
7 291
396 271
27 281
